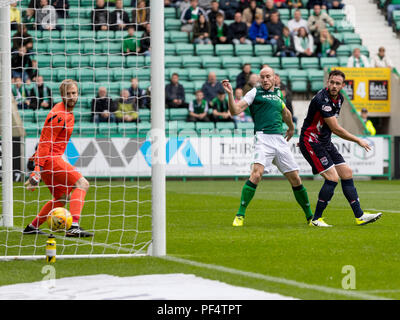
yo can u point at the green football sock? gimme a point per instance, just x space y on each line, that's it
300 193
248 191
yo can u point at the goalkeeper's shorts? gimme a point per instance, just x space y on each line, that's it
60 177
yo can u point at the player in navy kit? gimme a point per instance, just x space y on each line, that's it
317 148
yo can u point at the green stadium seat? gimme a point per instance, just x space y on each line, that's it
178 114
352 38
116 87
53 35
31 129
283 74
73 48
144 114
183 74
178 37
255 62
108 129
188 86
88 128
169 13
191 62
65 73
127 128
337 14
116 61
48 74
58 61
304 12
298 80
41 115
184 49
220 73
243 50
27 115
171 127
245 125
202 126
263 50
173 62
112 47
134 62
85 102
290 63
56 48
172 25
98 61
143 127
90 88
211 62
224 49
204 49
284 14
122 74
343 26
104 35
183 125
316 78
233 73
273 62
102 75
121 34
338 36
225 125
232 62
82 115
169 49
343 61
80 24
198 84
329 62
309 63
91 47
85 75
197 75
364 50
396 15
70 35
344 51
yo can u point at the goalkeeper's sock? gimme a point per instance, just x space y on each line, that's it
76 204
42 216
248 191
325 195
300 193
350 192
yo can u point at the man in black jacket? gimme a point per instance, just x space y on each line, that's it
100 16
229 7
275 27
103 107
243 77
119 18
41 95
238 31
212 13
175 93
219 31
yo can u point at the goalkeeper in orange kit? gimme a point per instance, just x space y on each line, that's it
63 181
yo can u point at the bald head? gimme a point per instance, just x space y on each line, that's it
267 78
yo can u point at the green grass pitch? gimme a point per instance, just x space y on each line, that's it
275 251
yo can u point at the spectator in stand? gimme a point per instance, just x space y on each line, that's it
219 31
175 93
238 31
368 123
286 94
312 3
285 45
243 4
15 16
230 7
20 63
253 82
205 4
190 15
334 4
243 77
100 16
304 43
145 41
61 7
279 4
392 5
198 108
357 60
33 71
258 32
119 18
141 15
103 107
20 93
249 14
22 39
138 94
220 108
127 109
211 87
327 44
381 60
201 31
318 20
297 22
46 17
244 116
268 9
41 95
30 13
212 13
131 44
294 4
275 28
183 5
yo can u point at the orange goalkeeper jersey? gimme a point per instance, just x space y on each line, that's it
56 132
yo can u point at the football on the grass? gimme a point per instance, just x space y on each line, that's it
59 219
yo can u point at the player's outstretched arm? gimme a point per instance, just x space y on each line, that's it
234 107
287 118
34 179
344 134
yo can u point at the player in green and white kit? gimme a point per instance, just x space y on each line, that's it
268 111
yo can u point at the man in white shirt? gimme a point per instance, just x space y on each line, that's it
358 60
296 23
380 60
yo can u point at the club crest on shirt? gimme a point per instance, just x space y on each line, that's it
327 108
324 161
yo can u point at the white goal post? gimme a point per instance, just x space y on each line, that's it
157 245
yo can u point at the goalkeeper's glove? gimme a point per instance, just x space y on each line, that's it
34 178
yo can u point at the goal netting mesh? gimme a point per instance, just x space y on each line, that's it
104 47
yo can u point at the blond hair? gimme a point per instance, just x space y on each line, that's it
65 84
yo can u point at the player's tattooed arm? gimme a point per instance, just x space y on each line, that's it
234 107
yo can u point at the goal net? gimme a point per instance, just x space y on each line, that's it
105 47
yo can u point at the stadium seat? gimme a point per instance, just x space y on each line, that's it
144 114
343 61
127 128
169 13
183 125
211 62
169 49
116 61
298 80
107 129
204 49
85 75
88 128
82 115
263 50
352 38
184 49
197 75
143 127
316 78
329 62
201 126
73 48
343 51
225 125
191 62
27 115
245 125
122 74
172 25
40 116
290 62
273 62
337 14
198 84
233 73
173 62
112 47
31 129
64 73
183 74
178 114
58 61
90 88
283 74
284 14
188 86
309 63
243 50
48 74
56 48
178 37
304 12
102 75
91 47
224 49
53 35
255 62
232 62
220 73
98 61
134 62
